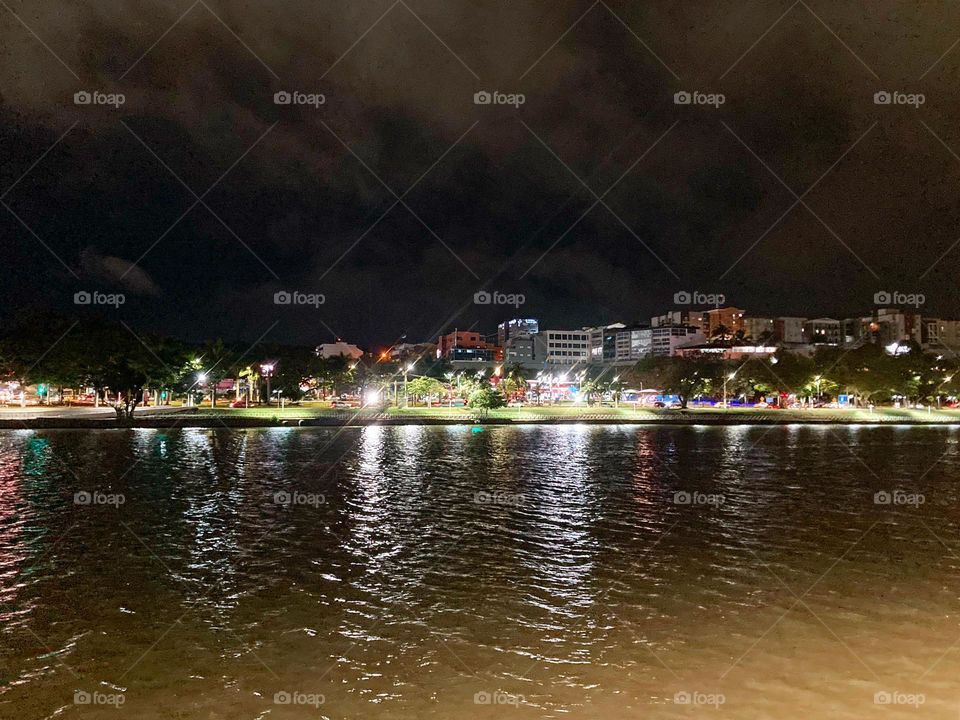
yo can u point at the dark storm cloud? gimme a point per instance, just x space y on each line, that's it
499 202
119 271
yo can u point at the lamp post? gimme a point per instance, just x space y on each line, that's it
947 379
725 378
267 370
406 369
818 378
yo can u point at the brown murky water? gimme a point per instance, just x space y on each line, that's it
533 572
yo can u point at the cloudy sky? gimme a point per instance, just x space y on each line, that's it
784 185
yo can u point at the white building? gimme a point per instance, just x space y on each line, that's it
666 340
823 331
338 349
759 329
789 330
562 348
940 334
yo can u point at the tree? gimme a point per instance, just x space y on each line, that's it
485 398
424 387
685 377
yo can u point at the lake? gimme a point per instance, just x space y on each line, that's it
457 572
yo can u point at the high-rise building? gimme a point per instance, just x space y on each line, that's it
623 344
887 326
690 318
467 345
788 330
730 319
596 339
515 327
823 331
666 340
519 350
760 330
562 348
937 334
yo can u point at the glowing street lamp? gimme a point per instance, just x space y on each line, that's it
406 369
267 370
727 377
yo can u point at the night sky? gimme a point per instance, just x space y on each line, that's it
399 197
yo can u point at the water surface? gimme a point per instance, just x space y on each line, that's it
529 572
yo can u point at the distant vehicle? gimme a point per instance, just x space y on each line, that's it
239 403
342 404
457 402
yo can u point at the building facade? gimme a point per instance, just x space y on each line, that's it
666 340
518 326
730 319
562 348
467 346
823 331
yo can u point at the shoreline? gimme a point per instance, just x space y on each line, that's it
674 418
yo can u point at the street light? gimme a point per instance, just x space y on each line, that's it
406 369
267 370
725 378
946 379
201 379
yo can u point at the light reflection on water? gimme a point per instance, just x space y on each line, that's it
551 563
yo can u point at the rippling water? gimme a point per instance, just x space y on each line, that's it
410 572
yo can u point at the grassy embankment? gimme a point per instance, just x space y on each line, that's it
625 414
